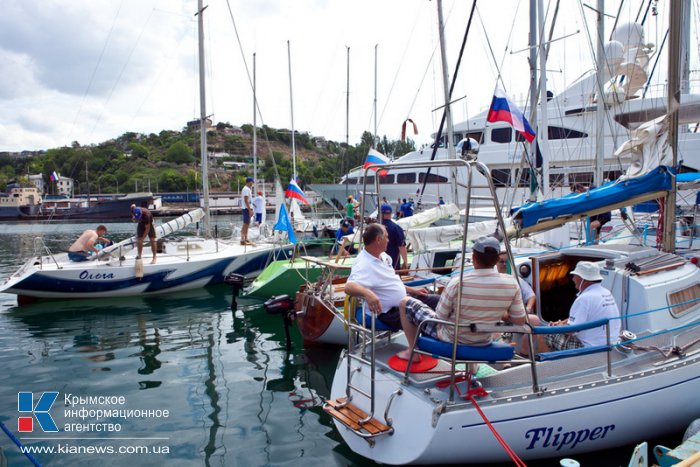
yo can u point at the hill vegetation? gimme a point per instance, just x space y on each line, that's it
169 161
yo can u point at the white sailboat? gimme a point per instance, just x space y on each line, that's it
182 264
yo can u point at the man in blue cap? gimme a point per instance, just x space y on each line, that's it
247 209
396 248
144 228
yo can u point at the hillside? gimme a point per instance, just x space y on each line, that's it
169 161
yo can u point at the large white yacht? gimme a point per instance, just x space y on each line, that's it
571 132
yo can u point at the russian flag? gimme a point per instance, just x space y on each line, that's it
53 176
293 191
503 110
375 157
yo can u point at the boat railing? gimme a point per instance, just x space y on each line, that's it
40 245
626 343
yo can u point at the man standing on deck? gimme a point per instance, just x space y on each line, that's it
247 209
373 278
145 227
258 207
396 248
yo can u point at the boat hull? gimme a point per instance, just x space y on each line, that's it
601 414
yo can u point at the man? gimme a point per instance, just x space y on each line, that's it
592 302
595 223
528 295
406 208
487 296
344 229
87 244
258 206
247 209
145 227
441 201
373 278
396 248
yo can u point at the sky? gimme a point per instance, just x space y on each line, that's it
91 70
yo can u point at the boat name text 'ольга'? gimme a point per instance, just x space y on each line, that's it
569 438
98 275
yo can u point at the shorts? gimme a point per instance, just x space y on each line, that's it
417 312
563 341
246 216
141 229
78 256
258 217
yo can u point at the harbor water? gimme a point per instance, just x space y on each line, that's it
177 380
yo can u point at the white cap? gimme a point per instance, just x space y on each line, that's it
588 271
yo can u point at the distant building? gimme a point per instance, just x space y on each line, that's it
193 125
38 181
20 194
235 165
64 186
321 142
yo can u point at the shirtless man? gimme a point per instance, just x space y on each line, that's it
85 244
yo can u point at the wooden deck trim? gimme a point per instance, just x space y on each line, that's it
350 415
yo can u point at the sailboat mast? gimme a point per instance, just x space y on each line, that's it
255 130
347 113
203 117
291 108
674 99
375 96
446 85
543 131
600 103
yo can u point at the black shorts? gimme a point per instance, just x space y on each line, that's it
141 230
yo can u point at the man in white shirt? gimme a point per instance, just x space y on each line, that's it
247 209
593 302
374 279
529 297
258 206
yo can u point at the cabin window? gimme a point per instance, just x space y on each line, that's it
501 135
431 178
406 178
612 175
386 179
369 179
350 181
524 178
501 177
581 178
556 180
457 138
477 136
688 297
556 132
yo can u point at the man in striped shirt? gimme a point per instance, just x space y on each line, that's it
487 297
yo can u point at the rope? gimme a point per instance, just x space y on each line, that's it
20 445
471 396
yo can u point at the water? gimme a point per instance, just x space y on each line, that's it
235 396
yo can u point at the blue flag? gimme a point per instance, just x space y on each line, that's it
285 225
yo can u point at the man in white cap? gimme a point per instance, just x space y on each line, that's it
593 302
487 296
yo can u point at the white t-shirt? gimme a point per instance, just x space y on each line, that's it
258 203
379 276
595 302
246 191
525 290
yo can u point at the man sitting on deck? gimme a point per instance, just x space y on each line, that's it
373 278
593 302
88 243
487 296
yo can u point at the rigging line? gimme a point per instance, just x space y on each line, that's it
250 82
94 71
438 135
121 72
403 57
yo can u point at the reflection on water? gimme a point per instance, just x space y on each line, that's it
235 396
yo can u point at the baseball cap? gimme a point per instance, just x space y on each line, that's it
482 243
345 224
386 208
588 271
137 213
260 193
249 179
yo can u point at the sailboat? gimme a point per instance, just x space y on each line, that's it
181 264
554 404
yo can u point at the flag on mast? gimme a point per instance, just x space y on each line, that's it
53 176
504 110
293 191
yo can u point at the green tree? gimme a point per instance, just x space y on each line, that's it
138 150
179 153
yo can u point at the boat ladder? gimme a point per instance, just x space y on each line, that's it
362 336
